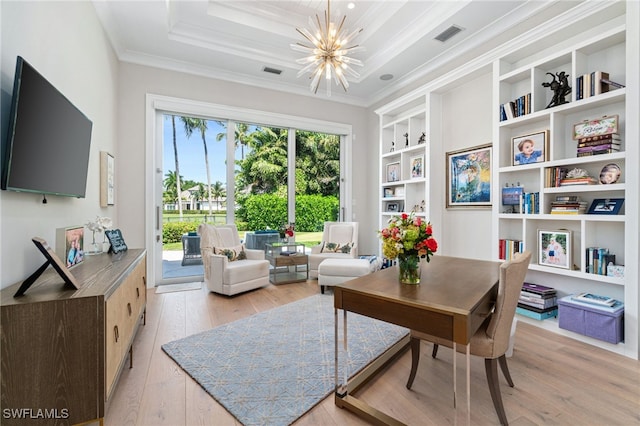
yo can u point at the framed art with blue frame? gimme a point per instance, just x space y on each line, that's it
469 177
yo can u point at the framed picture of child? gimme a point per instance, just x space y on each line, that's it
554 248
530 149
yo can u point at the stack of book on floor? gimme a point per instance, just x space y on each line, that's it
568 204
596 145
537 301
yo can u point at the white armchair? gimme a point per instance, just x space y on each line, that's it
339 241
229 267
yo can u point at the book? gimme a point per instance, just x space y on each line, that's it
538 303
616 307
612 83
608 137
600 147
536 315
578 181
538 289
594 299
604 151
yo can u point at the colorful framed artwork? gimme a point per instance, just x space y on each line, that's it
393 172
469 177
417 166
107 179
554 248
530 149
388 192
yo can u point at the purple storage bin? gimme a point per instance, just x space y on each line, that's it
591 321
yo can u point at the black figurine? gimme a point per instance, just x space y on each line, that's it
560 88
406 139
393 146
423 138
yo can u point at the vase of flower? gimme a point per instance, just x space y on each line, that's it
95 248
409 267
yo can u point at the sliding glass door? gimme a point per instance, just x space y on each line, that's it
223 170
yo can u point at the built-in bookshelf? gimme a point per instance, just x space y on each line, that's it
594 55
404 161
601 43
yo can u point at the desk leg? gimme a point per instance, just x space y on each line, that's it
468 352
455 350
341 388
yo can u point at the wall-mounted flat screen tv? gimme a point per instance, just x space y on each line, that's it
46 150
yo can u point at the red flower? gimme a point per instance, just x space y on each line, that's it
404 216
432 244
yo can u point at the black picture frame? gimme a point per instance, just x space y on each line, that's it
609 206
116 240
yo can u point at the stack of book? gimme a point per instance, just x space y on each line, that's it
568 204
597 259
593 84
516 108
595 145
530 203
585 180
553 176
508 248
537 301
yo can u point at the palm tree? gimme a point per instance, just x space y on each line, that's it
217 190
170 195
190 124
241 136
177 173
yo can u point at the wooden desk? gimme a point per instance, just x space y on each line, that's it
453 300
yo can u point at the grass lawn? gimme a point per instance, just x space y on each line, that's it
309 239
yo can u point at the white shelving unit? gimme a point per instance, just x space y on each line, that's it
604 38
514 76
404 161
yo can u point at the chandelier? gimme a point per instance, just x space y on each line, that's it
327 54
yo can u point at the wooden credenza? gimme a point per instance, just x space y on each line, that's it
62 349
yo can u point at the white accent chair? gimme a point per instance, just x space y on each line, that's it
248 272
339 233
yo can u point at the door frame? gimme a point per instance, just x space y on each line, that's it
157 105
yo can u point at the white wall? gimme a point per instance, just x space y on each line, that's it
136 81
66 44
466 122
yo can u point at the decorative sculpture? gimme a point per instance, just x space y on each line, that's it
393 146
423 138
406 139
560 88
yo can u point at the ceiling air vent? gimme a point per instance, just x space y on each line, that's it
448 33
272 70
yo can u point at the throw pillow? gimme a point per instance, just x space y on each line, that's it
232 253
336 248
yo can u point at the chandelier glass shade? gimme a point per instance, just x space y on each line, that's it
328 52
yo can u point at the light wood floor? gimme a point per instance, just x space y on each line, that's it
558 381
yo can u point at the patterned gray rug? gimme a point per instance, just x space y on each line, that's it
274 366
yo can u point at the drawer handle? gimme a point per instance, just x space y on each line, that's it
137 292
129 308
116 333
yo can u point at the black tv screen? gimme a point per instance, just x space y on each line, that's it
47 146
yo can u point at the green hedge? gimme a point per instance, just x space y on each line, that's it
172 232
269 211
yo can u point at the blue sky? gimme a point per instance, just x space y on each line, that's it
191 152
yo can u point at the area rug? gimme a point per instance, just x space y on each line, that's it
170 288
274 366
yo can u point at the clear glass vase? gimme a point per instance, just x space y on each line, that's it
94 248
409 267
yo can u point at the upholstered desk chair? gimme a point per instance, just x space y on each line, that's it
339 241
492 339
229 267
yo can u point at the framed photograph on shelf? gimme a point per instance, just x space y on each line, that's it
610 174
393 207
606 206
399 191
469 177
530 149
417 166
554 248
107 179
388 192
70 245
393 172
